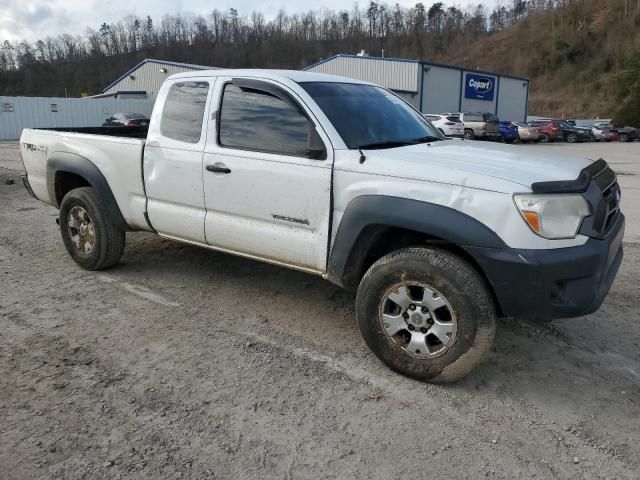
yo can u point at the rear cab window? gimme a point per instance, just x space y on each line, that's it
183 112
490 118
473 117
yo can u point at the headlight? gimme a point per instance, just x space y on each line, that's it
553 216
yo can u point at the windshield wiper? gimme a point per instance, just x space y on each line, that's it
426 139
398 143
390 144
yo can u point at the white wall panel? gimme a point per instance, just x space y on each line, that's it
17 113
512 101
441 90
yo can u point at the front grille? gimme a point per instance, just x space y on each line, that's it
607 207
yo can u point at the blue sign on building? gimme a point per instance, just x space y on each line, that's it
479 87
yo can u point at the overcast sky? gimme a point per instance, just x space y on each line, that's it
35 19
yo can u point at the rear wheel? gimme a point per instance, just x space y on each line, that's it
544 138
468 134
426 313
92 240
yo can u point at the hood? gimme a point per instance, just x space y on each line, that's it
474 164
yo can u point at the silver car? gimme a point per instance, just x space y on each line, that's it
481 125
528 133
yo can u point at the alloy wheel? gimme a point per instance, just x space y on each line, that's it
418 319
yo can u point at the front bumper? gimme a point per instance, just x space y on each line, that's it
554 283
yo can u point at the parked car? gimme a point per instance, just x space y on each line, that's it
479 125
601 133
449 125
549 130
568 132
333 179
126 119
509 131
527 133
573 134
626 134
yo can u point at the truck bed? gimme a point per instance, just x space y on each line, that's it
116 151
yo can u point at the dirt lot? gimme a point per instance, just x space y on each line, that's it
185 363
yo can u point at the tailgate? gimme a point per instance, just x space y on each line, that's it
33 154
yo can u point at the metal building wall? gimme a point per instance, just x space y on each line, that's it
512 101
17 113
394 74
412 98
148 77
440 89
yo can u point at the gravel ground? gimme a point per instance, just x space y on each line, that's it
186 363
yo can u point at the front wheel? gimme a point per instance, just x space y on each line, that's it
544 138
92 240
572 138
468 134
426 313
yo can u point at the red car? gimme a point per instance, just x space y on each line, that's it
549 130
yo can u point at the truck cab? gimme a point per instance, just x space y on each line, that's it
340 178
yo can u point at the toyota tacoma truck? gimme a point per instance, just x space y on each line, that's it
343 179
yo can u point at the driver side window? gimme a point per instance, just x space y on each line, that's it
252 119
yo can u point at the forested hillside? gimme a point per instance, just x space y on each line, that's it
583 56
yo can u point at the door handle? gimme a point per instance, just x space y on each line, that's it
218 169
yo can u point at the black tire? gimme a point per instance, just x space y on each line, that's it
458 282
572 137
108 243
468 134
544 138
623 137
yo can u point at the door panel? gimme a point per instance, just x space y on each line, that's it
173 160
271 206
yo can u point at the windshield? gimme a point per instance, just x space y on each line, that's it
367 116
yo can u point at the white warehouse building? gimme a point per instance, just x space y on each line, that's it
144 79
436 88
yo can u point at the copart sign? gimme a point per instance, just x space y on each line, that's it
479 87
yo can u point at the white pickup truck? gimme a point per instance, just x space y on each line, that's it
343 179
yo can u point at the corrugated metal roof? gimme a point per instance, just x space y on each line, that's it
144 71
